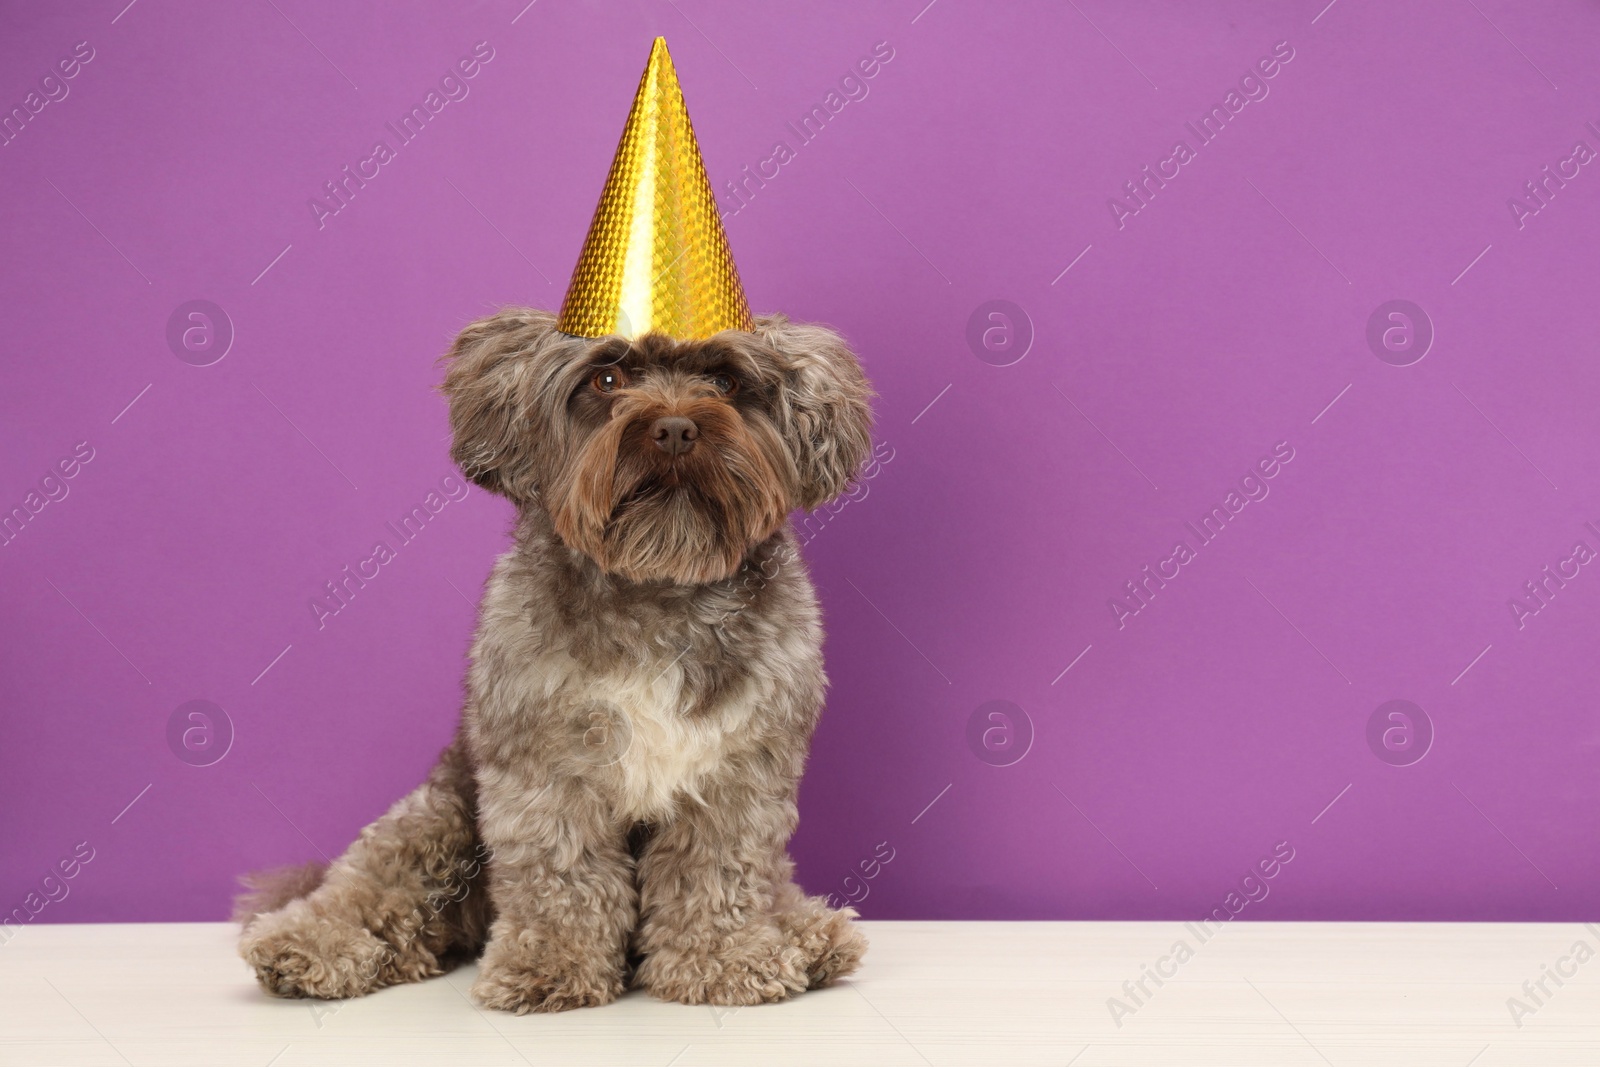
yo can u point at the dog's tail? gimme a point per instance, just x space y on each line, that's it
270 890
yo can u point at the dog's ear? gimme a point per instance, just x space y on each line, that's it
494 373
822 406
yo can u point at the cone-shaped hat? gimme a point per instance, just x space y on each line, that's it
656 259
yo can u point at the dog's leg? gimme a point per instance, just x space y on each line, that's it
708 900
561 880
407 893
832 945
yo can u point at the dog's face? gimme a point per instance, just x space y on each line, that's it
660 460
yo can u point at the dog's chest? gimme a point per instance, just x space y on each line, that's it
643 736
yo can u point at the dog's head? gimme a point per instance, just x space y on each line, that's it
660 460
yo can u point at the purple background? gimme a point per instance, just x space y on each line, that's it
1176 351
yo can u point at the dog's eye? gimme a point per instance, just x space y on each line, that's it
726 384
609 380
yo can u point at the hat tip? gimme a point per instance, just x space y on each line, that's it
660 58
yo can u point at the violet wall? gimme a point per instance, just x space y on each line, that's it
1073 374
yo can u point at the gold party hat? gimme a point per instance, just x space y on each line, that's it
656 259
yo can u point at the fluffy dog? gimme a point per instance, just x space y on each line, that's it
644 682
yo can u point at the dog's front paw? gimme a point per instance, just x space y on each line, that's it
521 988
295 953
756 966
832 945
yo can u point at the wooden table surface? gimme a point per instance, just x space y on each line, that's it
1418 994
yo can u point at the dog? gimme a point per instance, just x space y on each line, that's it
646 674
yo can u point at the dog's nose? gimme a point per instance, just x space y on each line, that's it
674 434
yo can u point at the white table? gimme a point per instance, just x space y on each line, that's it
931 993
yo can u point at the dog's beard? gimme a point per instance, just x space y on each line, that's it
689 519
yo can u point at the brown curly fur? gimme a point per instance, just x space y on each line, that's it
618 800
